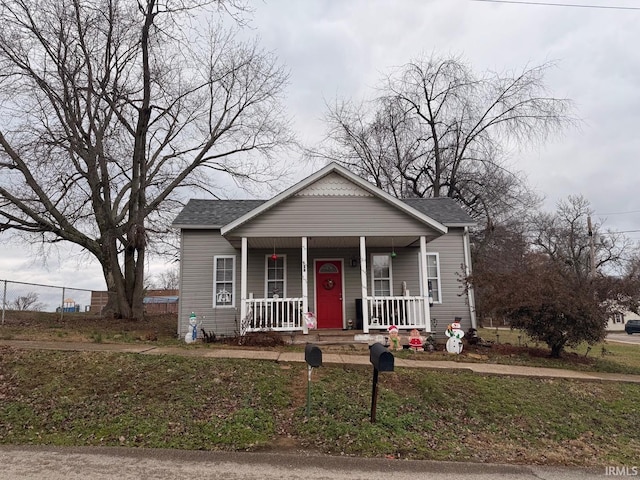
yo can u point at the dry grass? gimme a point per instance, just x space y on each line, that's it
164 401
86 327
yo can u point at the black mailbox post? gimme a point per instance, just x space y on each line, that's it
313 357
382 361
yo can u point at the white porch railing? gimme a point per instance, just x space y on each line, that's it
276 314
403 312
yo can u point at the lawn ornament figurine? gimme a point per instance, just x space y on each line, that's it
394 338
455 334
416 342
310 320
192 332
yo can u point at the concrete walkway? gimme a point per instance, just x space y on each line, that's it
327 358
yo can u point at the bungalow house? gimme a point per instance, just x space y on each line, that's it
333 249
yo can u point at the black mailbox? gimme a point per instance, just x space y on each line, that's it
381 358
313 355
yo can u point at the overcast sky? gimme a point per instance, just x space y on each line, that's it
340 48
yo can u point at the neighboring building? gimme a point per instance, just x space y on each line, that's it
155 301
334 245
98 301
161 301
618 319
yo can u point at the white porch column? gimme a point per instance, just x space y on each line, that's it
363 283
305 285
243 279
425 282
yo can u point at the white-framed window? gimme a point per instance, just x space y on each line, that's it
381 274
276 276
224 280
618 317
433 277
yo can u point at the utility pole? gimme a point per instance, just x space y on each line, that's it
592 258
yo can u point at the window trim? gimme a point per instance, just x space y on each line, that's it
233 281
284 275
439 279
373 275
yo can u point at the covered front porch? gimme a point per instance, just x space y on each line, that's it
361 283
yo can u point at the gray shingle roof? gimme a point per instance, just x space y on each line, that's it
217 213
442 209
213 213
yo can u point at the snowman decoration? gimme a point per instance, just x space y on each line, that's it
192 332
455 334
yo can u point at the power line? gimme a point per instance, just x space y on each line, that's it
549 4
620 213
615 232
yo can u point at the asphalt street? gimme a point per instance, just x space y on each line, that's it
97 463
624 338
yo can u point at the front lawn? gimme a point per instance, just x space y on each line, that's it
164 401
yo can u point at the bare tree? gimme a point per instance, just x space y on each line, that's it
543 282
29 301
167 280
438 129
111 108
564 236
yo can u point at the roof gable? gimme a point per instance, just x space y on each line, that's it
331 185
330 181
314 185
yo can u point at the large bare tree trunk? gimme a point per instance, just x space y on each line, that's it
115 109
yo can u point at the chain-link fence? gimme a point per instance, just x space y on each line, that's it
22 296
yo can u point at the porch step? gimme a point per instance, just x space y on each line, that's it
337 337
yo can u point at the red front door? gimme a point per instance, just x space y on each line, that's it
329 294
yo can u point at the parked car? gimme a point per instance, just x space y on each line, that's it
632 326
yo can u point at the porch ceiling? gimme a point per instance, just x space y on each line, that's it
326 242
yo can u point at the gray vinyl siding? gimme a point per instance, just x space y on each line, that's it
405 268
331 216
198 249
256 272
450 248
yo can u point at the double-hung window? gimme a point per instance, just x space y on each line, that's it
276 281
224 280
381 275
433 277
